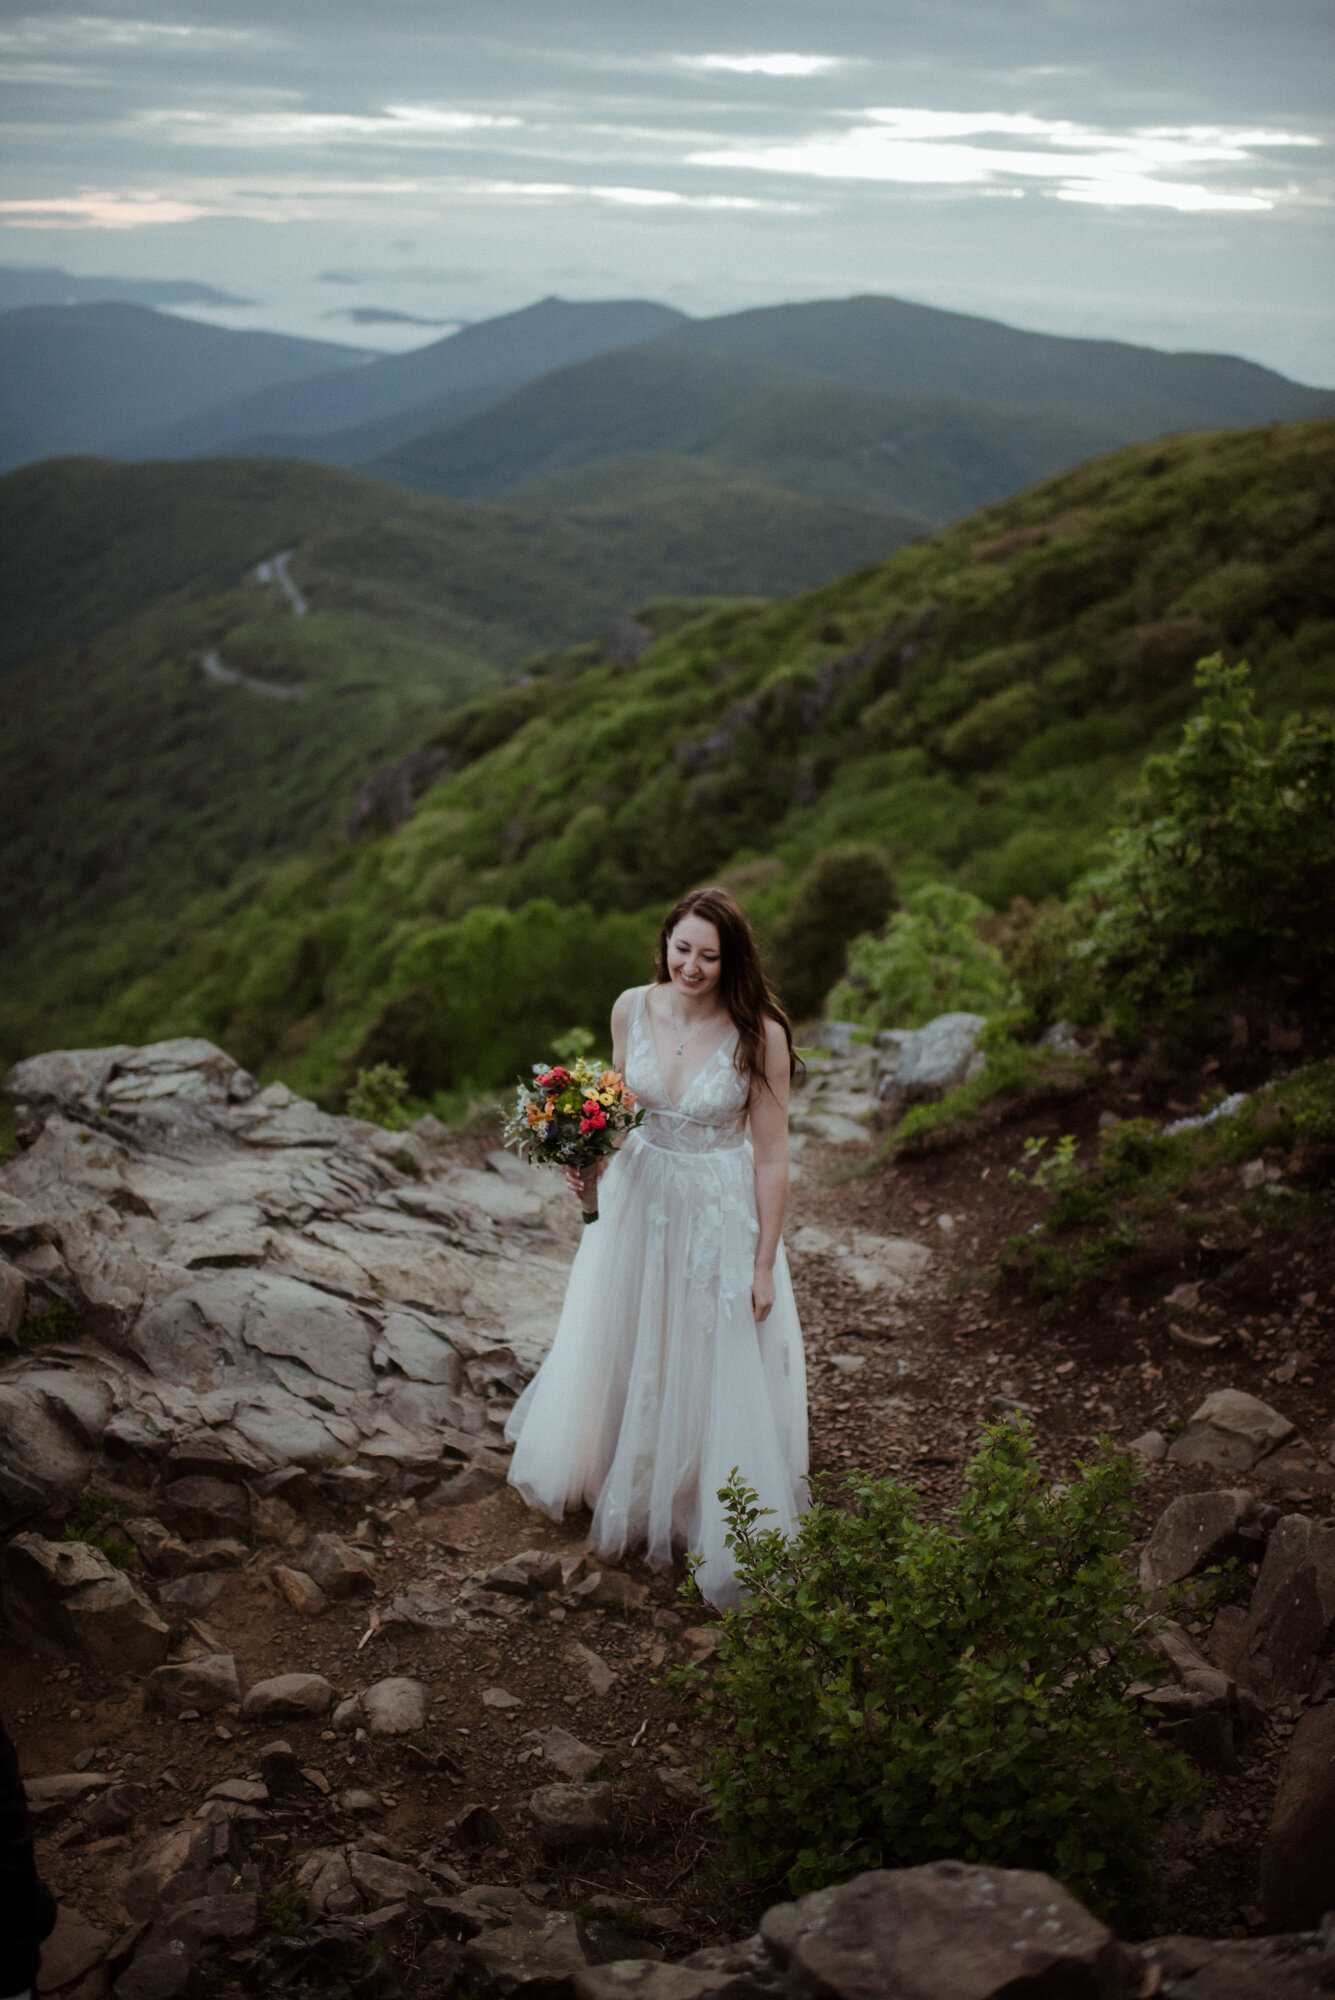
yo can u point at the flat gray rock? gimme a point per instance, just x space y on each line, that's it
396 1706
288 1697
1231 1430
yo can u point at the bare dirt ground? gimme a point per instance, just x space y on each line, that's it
936 1365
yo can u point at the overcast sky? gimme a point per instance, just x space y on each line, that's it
1157 170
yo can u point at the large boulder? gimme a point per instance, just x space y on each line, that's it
950 1931
932 1060
1198 1529
1289 1625
66 1597
1298 1858
1230 1431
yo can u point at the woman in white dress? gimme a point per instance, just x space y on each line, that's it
679 1352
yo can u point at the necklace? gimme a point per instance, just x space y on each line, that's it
683 1041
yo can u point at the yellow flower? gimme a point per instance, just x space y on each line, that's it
606 1097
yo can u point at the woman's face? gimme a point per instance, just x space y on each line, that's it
693 956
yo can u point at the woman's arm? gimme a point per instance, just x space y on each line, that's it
769 1142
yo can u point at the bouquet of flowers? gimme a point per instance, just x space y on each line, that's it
569 1116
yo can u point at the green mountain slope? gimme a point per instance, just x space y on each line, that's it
905 349
85 543
75 378
973 705
919 456
137 775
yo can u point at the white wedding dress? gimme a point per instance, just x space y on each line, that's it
659 1380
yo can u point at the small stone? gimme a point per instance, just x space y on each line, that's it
339 1569
565 1753
240 1791
356 1799
196 1591
601 1676
477 1827
612 1587
477 1483
498 1698
348 1715
573 1816
396 1707
288 1695
1150 1445
272 1520
280 1769
528 1574
848 1364
301 1591
382 1881
204 1685
205 1506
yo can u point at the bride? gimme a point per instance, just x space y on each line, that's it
679 1353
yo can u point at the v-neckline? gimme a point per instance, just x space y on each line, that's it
675 1103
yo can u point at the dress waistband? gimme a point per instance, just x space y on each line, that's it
737 1145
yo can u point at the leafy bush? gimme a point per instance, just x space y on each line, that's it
930 961
378 1095
894 1691
1223 871
845 891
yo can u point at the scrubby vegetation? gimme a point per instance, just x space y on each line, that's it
1110 1197
746 743
931 960
893 1691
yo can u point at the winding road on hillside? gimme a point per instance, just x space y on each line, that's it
273 570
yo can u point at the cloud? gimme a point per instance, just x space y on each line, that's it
306 200
772 65
393 124
98 209
920 147
101 31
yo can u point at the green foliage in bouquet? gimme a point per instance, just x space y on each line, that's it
894 1691
931 961
1222 876
378 1095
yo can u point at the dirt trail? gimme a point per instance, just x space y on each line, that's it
902 1377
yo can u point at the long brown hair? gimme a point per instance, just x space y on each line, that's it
742 985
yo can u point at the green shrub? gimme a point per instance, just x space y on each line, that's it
893 1691
930 961
994 729
378 1095
1223 871
845 891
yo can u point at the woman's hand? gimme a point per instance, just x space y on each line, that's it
575 1179
762 1293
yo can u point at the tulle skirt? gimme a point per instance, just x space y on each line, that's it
659 1382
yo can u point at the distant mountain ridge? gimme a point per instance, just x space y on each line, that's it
452 376
928 457
74 378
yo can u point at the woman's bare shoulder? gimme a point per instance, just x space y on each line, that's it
623 1004
776 1042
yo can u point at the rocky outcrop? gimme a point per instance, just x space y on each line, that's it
917 1066
218 1281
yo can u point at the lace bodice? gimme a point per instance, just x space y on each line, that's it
709 1116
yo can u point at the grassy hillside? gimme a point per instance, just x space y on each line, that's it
894 346
933 458
75 378
134 780
972 705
